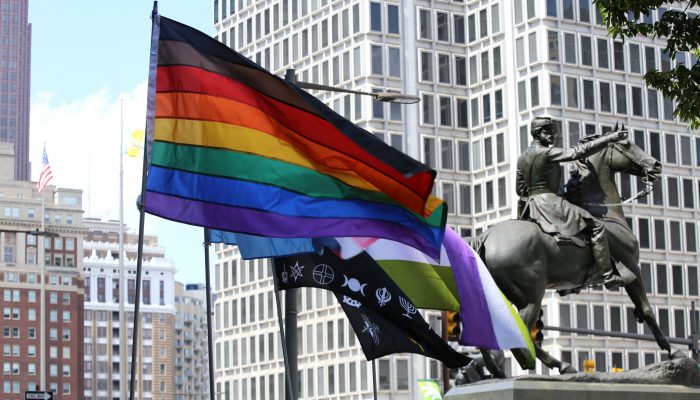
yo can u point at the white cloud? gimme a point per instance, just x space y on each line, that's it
82 143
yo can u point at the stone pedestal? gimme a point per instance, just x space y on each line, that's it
512 389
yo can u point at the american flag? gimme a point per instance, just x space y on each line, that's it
46 174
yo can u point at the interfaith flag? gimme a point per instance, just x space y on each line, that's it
384 318
489 320
46 175
235 148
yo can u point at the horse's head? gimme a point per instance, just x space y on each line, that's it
624 156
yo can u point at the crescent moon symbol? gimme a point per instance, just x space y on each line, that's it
362 288
346 281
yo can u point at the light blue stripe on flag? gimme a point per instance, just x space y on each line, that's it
252 246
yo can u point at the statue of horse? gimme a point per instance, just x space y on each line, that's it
524 260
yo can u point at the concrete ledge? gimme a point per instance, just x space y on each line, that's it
512 389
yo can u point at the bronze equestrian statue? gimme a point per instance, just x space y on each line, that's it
538 178
526 258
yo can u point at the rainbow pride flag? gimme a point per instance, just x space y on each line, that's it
235 148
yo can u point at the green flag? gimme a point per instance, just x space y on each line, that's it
429 389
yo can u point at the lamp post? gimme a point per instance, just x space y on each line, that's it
290 299
42 300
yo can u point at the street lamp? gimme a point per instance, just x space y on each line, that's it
386 97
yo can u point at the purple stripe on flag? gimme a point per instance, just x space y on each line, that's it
257 222
477 325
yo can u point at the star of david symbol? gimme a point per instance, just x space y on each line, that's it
323 274
296 271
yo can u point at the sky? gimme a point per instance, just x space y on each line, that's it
88 87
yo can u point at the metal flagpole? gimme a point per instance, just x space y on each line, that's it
42 290
123 350
150 117
285 356
210 345
291 310
374 378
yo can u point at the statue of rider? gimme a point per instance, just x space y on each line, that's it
538 177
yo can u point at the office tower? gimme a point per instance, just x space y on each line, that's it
191 352
483 71
15 73
156 368
45 353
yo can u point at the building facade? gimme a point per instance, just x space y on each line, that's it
15 73
42 341
155 377
483 70
191 346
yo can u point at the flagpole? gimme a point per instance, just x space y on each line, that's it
285 356
42 302
291 309
374 378
210 346
123 350
141 202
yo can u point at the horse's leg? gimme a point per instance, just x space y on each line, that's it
491 365
551 362
529 315
645 313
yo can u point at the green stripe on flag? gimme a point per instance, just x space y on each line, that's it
428 286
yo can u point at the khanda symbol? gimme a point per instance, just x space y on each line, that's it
383 296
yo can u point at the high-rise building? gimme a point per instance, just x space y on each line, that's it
41 285
483 70
191 351
15 72
155 373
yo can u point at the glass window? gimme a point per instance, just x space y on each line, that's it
603 61
671 148
690 237
443 29
463 154
393 18
588 95
498 99
448 195
532 47
553 45
661 279
604 93
586 51
621 99
483 24
443 67
520 52
375 16
447 154
384 375
552 8
471 25
460 31
425 28
497 61
426 62
584 11
571 92
377 60
428 109
619 55
522 96
460 71
635 58
652 103
429 151
445 111
495 19
659 235
555 89
568 9
465 201
650 58
570 48
394 62
462 112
